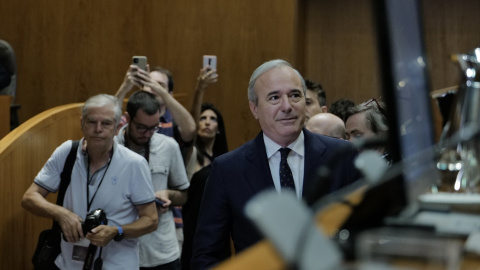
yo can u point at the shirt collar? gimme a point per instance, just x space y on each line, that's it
120 135
297 146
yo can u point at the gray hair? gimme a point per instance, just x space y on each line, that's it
252 96
375 116
100 101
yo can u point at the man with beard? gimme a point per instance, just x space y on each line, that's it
158 250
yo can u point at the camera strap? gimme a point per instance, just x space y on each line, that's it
89 179
98 262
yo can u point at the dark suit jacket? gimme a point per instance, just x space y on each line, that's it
239 175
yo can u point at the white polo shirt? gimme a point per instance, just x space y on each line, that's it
126 184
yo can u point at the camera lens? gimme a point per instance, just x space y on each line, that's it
135 60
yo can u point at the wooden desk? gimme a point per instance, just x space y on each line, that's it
264 256
5 102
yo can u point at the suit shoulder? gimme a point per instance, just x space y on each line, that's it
331 140
331 145
236 154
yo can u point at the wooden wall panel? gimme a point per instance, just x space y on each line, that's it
5 102
68 51
23 152
451 27
340 49
340 45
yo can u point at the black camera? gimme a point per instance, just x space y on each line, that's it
94 218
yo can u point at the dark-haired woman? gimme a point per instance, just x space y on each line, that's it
211 142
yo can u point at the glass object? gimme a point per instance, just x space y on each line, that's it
402 248
458 164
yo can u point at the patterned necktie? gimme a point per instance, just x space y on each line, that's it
286 177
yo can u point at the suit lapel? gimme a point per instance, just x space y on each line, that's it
314 150
258 173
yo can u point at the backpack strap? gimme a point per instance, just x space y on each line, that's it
66 176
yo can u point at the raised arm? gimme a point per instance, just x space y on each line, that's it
205 79
185 122
128 83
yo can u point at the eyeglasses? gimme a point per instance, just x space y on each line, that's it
143 129
379 107
366 103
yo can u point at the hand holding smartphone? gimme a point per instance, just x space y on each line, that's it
210 60
159 202
140 61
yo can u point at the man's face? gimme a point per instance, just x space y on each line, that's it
161 79
312 105
281 104
356 127
142 127
99 126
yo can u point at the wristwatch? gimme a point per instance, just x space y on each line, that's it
119 236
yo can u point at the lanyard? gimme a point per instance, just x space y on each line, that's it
89 202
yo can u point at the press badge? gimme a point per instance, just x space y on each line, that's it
80 250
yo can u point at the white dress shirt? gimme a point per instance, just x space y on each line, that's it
295 159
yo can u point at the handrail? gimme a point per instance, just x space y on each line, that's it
23 152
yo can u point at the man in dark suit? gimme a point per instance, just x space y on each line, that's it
277 100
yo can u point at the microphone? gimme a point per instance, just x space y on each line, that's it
320 186
370 164
291 227
287 222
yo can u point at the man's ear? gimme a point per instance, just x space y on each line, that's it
324 109
253 108
127 117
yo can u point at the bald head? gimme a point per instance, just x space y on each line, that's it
327 124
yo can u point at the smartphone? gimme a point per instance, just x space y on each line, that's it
140 61
210 60
159 202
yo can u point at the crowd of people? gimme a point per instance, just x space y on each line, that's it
173 193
